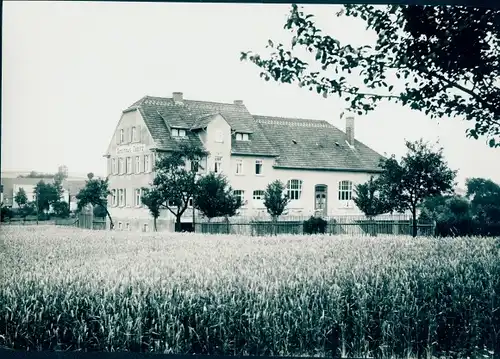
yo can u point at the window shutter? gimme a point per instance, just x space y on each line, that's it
130 134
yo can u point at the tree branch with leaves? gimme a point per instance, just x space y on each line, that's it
442 60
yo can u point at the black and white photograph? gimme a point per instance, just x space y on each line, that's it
250 179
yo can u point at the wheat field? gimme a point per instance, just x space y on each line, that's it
68 289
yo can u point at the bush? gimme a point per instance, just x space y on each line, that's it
6 213
315 225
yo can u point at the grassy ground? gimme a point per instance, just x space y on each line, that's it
68 289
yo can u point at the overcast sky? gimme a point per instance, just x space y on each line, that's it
70 68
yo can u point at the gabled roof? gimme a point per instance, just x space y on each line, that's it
296 143
159 113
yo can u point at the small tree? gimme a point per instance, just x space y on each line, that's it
21 198
370 200
214 197
96 193
176 181
61 209
151 197
421 173
276 200
47 194
484 195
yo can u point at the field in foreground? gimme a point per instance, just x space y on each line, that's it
66 289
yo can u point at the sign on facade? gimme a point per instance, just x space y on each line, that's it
135 148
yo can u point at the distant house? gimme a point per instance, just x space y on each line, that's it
319 163
12 184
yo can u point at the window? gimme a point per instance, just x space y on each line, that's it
241 136
178 132
219 136
146 163
218 164
145 227
113 194
137 164
120 225
113 166
122 136
190 202
129 165
294 187
120 165
258 195
240 194
120 197
137 197
258 167
125 197
239 167
127 226
195 165
134 134
345 190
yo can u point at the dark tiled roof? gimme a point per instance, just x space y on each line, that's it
297 143
311 144
158 112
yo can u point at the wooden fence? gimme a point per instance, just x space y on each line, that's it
347 225
84 221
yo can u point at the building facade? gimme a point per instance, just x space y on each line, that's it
319 164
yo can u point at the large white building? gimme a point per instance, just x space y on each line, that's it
319 163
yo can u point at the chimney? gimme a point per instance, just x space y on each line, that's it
177 96
349 129
238 102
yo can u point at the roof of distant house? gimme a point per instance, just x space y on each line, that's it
295 143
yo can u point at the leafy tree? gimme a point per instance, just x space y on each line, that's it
99 212
370 200
61 209
46 194
6 212
151 197
59 178
442 60
420 174
21 198
484 195
27 209
276 199
95 192
214 197
34 174
175 180
451 213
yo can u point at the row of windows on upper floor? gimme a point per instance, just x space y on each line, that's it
124 165
143 164
133 134
128 135
293 190
219 135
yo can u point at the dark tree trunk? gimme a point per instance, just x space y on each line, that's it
111 224
178 223
414 222
154 224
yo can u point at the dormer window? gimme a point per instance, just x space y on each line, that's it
177 132
241 136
